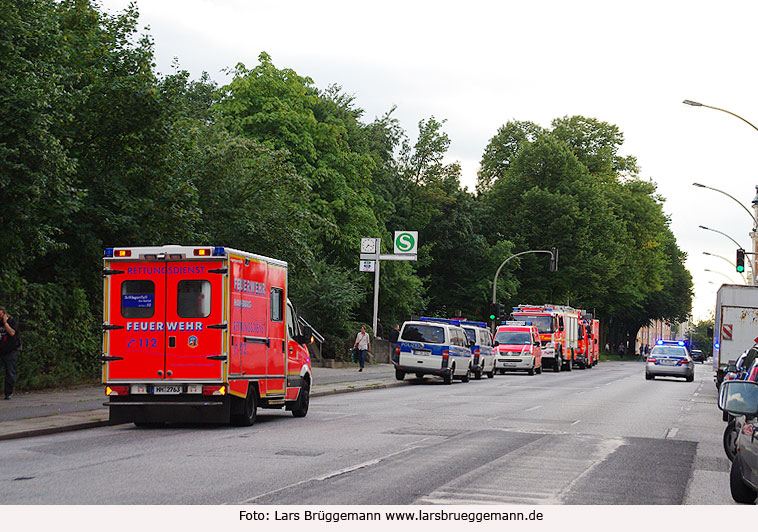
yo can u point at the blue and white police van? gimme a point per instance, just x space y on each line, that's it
483 361
433 346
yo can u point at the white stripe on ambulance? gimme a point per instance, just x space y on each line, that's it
160 326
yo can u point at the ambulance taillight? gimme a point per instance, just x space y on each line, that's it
202 252
117 390
214 390
122 253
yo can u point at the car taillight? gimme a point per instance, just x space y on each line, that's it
684 362
397 350
445 354
476 352
652 360
214 390
117 390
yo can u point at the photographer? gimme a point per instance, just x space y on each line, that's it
10 342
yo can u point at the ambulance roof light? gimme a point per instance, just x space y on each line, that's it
108 252
219 251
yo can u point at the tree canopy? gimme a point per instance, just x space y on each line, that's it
99 150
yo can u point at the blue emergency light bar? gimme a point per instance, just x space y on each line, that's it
441 320
464 321
108 252
219 251
679 342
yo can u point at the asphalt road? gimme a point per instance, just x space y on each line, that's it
599 436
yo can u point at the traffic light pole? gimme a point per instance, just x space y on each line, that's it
553 261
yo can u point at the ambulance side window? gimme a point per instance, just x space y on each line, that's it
137 299
193 299
277 304
291 325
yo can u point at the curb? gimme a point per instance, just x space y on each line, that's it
95 424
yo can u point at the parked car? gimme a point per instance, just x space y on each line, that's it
433 346
697 355
518 348
740 399
483 361
669 359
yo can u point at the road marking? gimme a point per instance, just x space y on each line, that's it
577 421
670 433
533 408
336 473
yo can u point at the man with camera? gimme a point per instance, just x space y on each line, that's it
10 342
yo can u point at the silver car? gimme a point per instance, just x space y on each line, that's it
667 360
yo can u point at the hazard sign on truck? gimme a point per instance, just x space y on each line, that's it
200 334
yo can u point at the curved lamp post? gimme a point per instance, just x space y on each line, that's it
727 260
749 260
754 232
755 222
731 281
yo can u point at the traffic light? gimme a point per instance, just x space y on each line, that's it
740 260
553 259
493 311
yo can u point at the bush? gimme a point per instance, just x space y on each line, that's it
60 336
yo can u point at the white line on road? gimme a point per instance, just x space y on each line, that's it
338 472
577 421
533 408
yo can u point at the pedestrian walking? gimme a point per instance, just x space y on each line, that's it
10 343
647 350
394 335
379 328
363 344
607 348
621 350
642 351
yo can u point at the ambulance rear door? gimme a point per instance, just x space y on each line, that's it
195 320
135 320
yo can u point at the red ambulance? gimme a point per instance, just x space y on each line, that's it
200 334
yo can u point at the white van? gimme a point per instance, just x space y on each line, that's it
433 346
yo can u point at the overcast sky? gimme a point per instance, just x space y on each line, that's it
480 64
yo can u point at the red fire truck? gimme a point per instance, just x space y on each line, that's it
559 331
200 334
587 353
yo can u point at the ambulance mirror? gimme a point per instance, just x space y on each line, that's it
495 343
305 335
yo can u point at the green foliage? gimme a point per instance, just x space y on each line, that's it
59 335
98 150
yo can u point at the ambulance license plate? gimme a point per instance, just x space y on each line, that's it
164 389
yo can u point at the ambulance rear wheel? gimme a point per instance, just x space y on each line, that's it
303 400
246 409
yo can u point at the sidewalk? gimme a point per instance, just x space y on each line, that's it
49 412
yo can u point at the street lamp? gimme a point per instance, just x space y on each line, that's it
720 273
727 260
749 260
698 104
754 232
752 217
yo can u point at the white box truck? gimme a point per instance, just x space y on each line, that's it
736 325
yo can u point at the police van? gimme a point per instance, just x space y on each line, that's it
433 346
483 361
